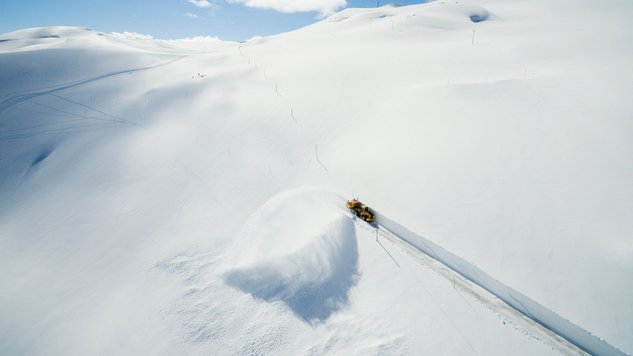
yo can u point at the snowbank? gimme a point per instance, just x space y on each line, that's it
527 306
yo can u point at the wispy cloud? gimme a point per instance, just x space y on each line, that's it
190 15
324 7
200 3
210 39
132 35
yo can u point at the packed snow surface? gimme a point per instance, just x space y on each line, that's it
187 196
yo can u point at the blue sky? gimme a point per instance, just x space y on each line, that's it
170 19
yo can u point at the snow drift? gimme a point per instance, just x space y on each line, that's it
310 263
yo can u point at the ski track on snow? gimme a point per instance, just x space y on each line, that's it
16 99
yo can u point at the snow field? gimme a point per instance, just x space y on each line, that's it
127 181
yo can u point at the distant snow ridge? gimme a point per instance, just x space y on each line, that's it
319 264
48 32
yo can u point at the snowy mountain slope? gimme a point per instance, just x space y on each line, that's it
513 140
129 168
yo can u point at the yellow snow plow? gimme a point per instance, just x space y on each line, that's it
361 210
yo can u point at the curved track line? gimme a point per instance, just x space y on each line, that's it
16 99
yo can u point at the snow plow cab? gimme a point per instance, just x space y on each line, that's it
361 210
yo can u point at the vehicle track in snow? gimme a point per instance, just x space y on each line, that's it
525 314
23 96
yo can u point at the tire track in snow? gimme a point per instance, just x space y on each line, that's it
247 58
16 99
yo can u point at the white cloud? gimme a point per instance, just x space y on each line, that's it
200 3
324 7
193 16
131 35
212 39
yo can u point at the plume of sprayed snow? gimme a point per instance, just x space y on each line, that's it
307 261
313 281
